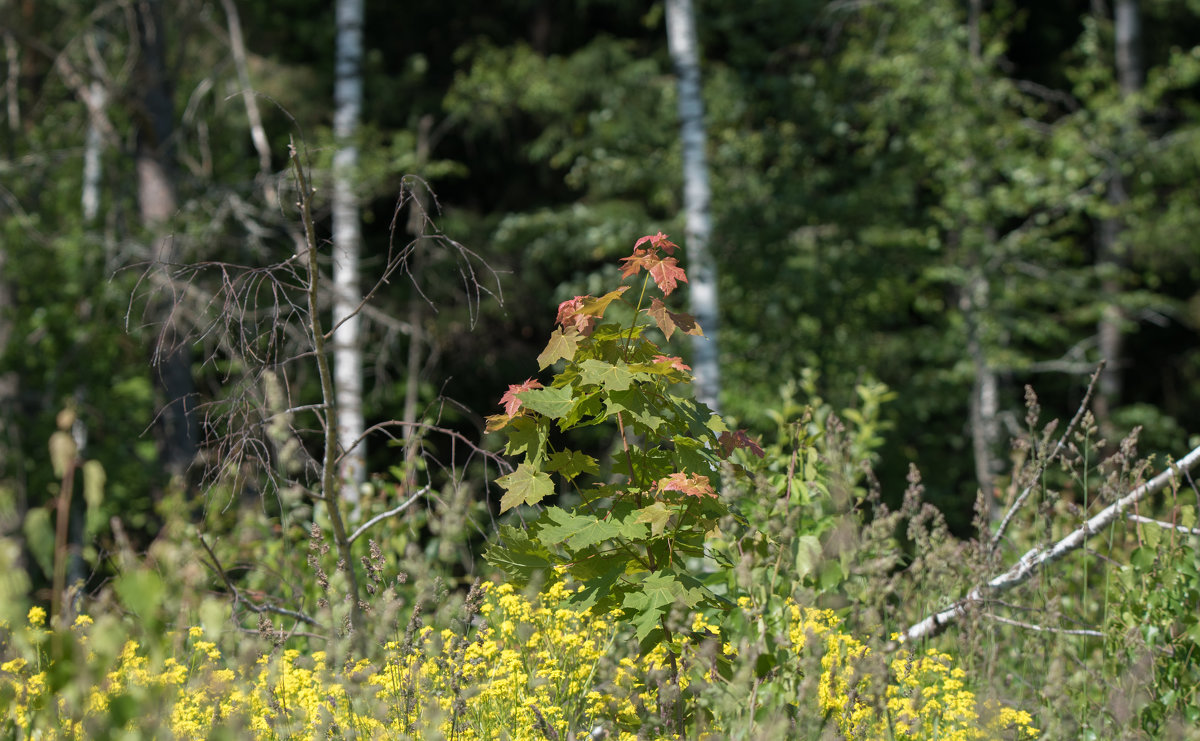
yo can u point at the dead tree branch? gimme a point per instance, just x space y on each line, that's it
1039 557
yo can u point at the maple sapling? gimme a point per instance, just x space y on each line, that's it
630 540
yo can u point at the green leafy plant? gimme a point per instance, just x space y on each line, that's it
637 536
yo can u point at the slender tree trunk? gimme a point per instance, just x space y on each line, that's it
258 133
93 149
984 408
1110 258
158 202
12 88
702 272
347 246
975 303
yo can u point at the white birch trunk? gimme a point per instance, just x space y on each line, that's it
1127 29
347 244
93 148
702 273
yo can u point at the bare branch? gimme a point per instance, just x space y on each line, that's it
252 607
1039 557
384 515
1044 628
1160 523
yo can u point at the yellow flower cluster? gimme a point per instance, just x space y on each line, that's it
926 697
527 668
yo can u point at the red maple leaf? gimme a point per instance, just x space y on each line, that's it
569 314
730 441
510 402
638 260
665 273
658 241
676 363
693 486
664 270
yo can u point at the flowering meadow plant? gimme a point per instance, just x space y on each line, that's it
534 667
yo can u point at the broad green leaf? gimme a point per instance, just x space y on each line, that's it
607 332
516 554
562 346
632 528
552 402
575 530
597 590
526 485
588 405
645 622
693 455
656 515
597 306
527 435
634 403
808 555
612 376
571 463
657 590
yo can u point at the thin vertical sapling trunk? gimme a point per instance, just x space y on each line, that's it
330 484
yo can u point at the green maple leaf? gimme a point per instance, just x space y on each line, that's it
571 463
518 556
634 402
656 515
645 622
562 346
552 402
526 485
597 306
597 589
527 435
612 376
577 531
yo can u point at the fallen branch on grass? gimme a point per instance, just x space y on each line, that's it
1039 557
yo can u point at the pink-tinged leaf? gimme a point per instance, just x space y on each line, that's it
658 241
676 362
567 309
694 486
669 321
510 402
635 262
730 441
666 273
582 312
664 270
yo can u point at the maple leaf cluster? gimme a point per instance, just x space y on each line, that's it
695 485
570 315
511 404
664 270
